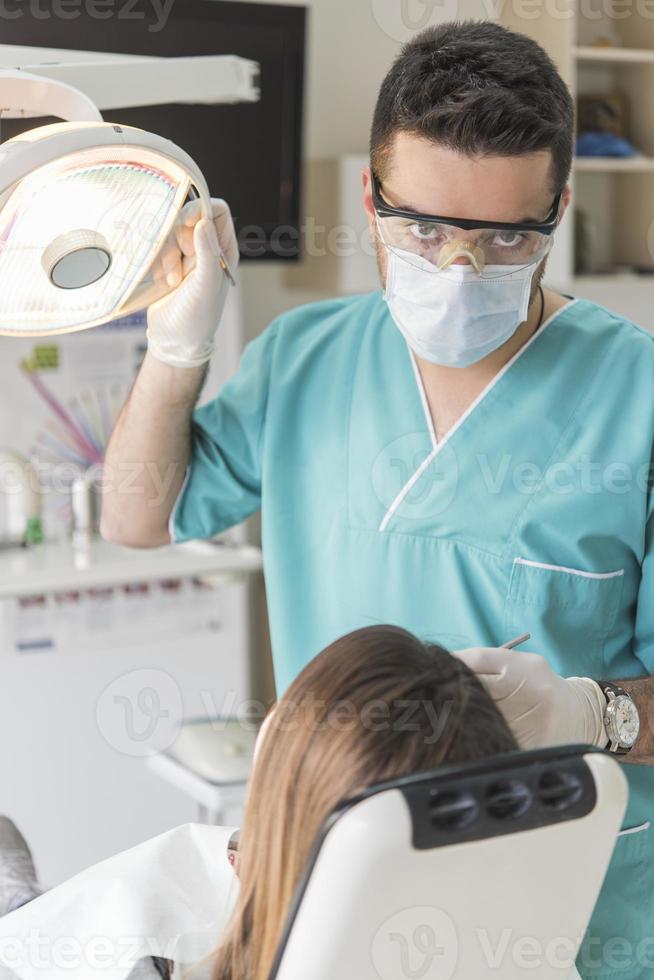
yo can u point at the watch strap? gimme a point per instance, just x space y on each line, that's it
609 688
613 691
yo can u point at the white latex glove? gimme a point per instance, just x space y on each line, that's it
182 325
541 708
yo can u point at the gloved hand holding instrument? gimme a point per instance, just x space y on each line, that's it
198 257
541 708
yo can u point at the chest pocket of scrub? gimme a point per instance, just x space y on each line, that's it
568 612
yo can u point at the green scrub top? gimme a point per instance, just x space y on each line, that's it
532 514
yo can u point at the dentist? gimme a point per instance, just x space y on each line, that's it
466 454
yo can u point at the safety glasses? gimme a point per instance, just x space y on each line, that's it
433 242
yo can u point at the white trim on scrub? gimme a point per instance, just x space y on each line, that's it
439 445
423 398
635 830
568 571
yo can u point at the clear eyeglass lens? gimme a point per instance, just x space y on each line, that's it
499 245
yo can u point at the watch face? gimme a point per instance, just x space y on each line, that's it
625 723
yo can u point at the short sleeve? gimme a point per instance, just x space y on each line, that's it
223 480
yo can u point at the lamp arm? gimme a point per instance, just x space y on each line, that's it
23 95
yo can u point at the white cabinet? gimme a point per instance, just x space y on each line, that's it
80 715
103 650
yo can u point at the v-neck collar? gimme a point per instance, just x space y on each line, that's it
437 445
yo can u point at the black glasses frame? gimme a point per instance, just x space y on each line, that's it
385 210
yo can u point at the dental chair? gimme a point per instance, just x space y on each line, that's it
490 869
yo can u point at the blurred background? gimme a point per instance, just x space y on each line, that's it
121 672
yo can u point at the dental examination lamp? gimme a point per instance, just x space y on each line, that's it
85 205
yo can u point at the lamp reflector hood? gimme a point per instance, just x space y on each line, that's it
84 211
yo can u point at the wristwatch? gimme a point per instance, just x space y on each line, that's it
621 719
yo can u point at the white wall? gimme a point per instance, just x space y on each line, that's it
351 44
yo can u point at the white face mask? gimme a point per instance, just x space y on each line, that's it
455 317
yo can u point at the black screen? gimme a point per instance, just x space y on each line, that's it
250 153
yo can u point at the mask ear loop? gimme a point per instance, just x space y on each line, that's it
380 234
389 264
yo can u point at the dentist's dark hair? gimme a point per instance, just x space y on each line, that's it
376 704
480 89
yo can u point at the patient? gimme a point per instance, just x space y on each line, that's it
376 704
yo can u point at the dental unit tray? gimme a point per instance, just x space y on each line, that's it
490 869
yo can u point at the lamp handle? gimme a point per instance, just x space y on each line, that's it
200 189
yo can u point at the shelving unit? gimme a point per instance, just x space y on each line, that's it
618 165
609 55
49 568
613 198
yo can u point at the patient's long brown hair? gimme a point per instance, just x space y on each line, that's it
376 704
